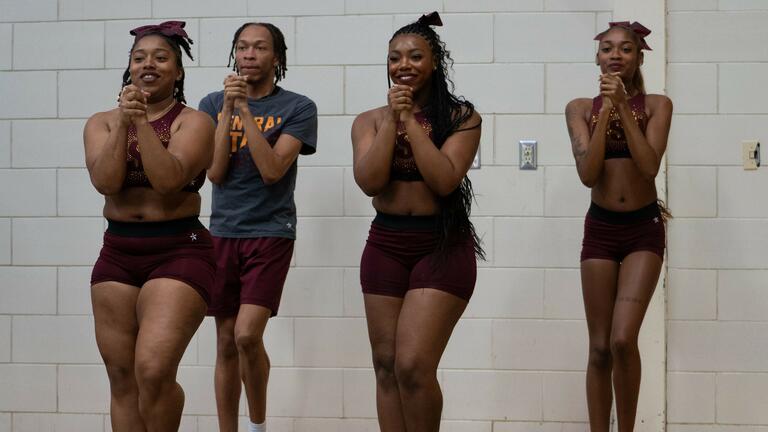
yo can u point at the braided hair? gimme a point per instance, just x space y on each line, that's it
177 43
446 113
278 46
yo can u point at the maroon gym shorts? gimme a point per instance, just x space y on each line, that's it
614 235
136 252
400 255
249 271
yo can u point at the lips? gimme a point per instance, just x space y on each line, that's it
405 78
149 77
615 67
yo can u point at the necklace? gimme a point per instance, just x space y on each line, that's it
163 112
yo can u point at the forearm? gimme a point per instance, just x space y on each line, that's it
372 169
222 148
164 171
438 171
643 155
109 168
264 157
590 162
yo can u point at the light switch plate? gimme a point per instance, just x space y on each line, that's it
750 154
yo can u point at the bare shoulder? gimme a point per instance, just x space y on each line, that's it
193 115
657 102
578 106
101 120
370 118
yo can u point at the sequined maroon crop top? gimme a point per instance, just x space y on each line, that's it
615 141
135 175
403 166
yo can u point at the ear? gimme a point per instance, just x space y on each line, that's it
597 62
180 76
641 58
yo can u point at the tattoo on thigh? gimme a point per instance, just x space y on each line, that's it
631 300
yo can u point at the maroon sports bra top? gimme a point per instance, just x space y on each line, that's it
135 175
615 140
403 166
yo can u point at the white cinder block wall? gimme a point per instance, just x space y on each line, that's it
516 360
718 262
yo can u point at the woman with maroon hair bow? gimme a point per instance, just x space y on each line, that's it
419 265
149 286
618 140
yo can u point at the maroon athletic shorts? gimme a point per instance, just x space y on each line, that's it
249 271
614 235
136 252
400 255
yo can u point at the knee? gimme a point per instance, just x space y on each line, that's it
600 356
122 380
249 343
624 347
153 375
384 367
225 346
412 373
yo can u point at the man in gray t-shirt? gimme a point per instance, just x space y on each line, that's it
261 130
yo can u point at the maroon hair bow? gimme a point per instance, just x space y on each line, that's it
640 30
168 28
431 19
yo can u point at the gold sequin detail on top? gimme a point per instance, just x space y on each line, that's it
403 165
616 141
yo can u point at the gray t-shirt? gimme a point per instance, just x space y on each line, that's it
243 206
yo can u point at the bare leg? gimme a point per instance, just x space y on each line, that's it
114 312
169 312
253 359
637 281
598 284
426 322
381 314
227 374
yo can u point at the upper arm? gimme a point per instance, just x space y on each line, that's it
578 129
302 125
363 134
460 148
95 134
191 143
659 121
287 149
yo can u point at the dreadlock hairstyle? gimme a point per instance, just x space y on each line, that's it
637 32
173 33
446 113
278 46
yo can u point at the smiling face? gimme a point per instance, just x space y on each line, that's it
410 61
618 52
255 54
155 67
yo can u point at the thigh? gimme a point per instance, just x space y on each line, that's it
638 276
225 291
114 313
382 273
455 272
599 280
426 322
381 315
169 312
265 264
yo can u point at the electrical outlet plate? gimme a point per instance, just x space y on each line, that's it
528 155
750 154
476 160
